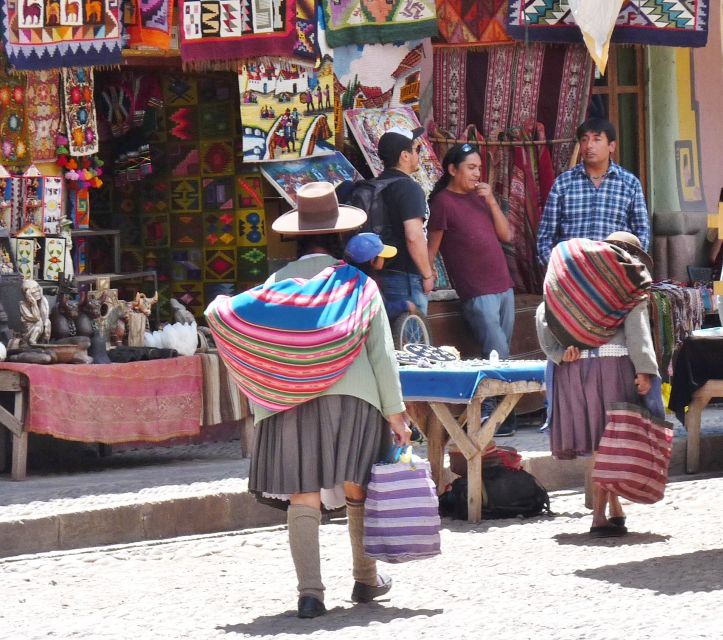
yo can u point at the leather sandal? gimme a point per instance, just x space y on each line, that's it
617 521
366 593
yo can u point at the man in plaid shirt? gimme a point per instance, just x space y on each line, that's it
595 198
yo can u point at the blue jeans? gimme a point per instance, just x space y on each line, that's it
401 286
492 317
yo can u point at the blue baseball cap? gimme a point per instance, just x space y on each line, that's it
364 247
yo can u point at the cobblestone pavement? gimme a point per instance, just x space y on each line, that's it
542 578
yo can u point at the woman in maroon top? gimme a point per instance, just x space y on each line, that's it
467 225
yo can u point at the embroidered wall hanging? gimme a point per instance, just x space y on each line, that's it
287 110
53 258
150 22
43 113
288 177
24 252
14 151
464 23
369 21
306 45
368 125
53 198
79 106
673 23
235 29
49 34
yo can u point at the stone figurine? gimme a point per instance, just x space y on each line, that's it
34 313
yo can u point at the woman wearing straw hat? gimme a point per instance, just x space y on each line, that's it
313 351
594 325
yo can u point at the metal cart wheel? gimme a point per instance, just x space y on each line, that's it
411 328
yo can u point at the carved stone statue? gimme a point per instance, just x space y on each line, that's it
138 314
34 313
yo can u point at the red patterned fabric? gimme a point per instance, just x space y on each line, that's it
472 22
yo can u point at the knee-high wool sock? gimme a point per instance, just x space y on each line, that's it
303 525
364 567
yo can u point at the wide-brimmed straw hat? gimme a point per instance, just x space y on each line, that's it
318 211
630 243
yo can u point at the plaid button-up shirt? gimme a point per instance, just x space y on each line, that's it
576 209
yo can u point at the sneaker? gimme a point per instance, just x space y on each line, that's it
505 430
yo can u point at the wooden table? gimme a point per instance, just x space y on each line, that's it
442 414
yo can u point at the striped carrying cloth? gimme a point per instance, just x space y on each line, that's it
401 513
589 288
634 453
288 342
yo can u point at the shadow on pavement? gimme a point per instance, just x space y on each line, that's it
335 619
632 538
698 571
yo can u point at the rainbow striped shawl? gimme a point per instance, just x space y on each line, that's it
589 288
288 342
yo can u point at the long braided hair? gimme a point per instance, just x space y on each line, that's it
455 155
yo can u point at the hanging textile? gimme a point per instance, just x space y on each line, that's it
306 45
151 25
43 113
354 21
79 107
245 30
450 94
51 34
472 23
14 149
671 23
287 110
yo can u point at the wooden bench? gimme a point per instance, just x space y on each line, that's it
701 398
14 422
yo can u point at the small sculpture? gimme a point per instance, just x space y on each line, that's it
34 313
180 313
64 316
139 310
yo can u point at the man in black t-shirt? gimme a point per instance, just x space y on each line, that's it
408 276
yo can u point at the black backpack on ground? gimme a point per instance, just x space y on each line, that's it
510 493
368 196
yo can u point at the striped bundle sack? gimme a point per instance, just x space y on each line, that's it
590 286
401 512
288 342
634 453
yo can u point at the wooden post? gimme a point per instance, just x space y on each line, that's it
20 442
474 464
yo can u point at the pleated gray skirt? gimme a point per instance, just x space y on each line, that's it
317 445
581 392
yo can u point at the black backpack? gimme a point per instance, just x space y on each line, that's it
510 493
368 196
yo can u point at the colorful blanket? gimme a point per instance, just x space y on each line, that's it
14 145
49 34
589 289
79 107
43 113
288 342
472 22
151 23
146 401
673 23
369 21
236 29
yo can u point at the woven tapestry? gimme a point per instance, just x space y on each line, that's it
306 45
674 23
43 113
14 151
472 22
287 110
236 29
369 21
49 34
79 106
150 23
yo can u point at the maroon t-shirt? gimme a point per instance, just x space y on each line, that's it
470 248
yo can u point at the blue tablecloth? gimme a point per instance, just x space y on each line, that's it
459 383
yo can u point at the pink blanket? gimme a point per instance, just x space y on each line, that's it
111 403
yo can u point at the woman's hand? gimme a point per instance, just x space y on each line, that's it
642 383
571 354
399 422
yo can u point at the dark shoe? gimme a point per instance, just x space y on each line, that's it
607 531
366 593
505 431
617 521
310 607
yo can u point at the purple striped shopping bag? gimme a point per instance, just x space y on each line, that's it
401 512
634 453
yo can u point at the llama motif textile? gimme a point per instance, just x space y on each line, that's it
80 117
49 34
672 23
151 22
236 29
370 21
43 113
